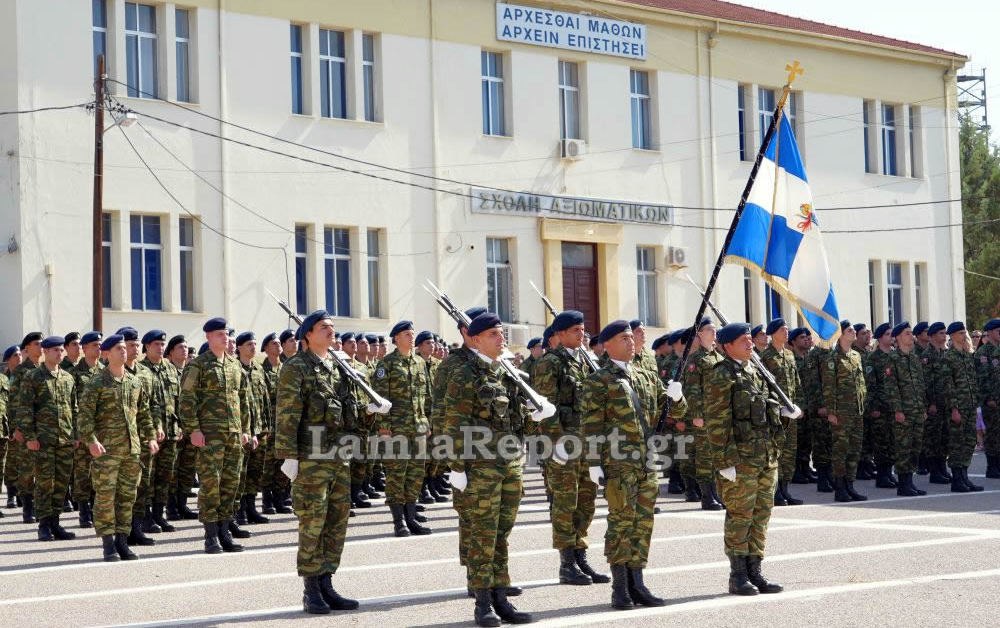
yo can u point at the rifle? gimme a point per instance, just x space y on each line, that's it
462 319
552 310
345 368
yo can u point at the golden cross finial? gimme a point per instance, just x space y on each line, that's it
794 70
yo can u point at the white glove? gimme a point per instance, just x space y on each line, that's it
560 456
547 410
729 474
596 475
458 480
794 413
383 408
290 468
674 390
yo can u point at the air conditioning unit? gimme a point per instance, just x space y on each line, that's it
572 149
517 335
677 257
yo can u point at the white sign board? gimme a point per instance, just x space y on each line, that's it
487 201
570 31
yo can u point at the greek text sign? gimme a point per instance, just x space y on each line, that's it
486 201
570 31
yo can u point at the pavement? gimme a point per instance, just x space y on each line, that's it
918 561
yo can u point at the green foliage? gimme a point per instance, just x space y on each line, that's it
981 191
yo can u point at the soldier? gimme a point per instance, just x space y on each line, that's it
114 425
432 489
801 342
258 404
289 346
311 403
559 378
165 388
402 380
211 412
382 348
479 397
878 412
622 402
988 369
24 467
906 394
811 376
596 348
275 486
362 466
187 454
85 370
759 337
697 470
780 361
4 426
866 466
12 360
960 391
936 427
667 366
745 440
643 356
46 400
72 345
921 337
844 392
536 351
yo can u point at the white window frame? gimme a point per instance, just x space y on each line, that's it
765 114
186 250
300 70
101 31
107 252
888 138
490 83
501 273
641 106
646 280
301 237
919 277
894 317
184 91
374 267
569 99
870 146
142 90
326 64
142 247
369 77
742 118
330 277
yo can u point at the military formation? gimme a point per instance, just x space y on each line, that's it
122 428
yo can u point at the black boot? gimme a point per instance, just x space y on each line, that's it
148 525
417 509
358 498
121 544
840 493
883 477
855 496
975 488
904 490
506 611
691 493
620 598
708 501
280 507
943 467
212 538
779 496
266 504
866 470
183 510
240 517
171 510
45 530
237 531
937 472
86 517
922 465
824 479
312 597
992 467
569 573
157 514
250 507
110 553
792 501
757 579
137 536
334 600
425 495
581 561
412 522
378 482
28 512
226 537
957 484
676 484
801 474
398 524
60 533
913 487
484 614
370 491
11 496
639 593
739 583
441 483
67 504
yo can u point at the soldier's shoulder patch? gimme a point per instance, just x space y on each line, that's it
692 367
925 360
831 365
996 362
380 372
984 359
868 368
888 370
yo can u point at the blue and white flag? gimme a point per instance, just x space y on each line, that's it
779 235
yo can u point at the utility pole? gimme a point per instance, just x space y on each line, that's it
98 231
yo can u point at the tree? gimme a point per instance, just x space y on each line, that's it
981 201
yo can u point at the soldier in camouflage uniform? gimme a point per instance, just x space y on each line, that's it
274 483
623 401
85 370
960 391
361 466
45 410
745 441
922 338
906 399
559 377
11 360
758 335
780 361
289 345
936 427
988 369
114 425
844 400
258 404
212 413
424 347
314 412
866 467
644 357
187 454
24 462
811 376
801 342
667 370
479 398
698 469
877 408
165 387
536 352
4 425
402 379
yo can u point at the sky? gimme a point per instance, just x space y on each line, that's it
971 30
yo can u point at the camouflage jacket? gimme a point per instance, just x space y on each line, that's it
4 400
528 366
46 405
439 387
958 381
783 366
742 417
699 365
559 378
810 377
13 410
903 386
362 420
403 381
843 383
271 381
115 413
877 365
988 372
211 397
430 367
254 397
932 360
646 360
311 403
666 365
165 387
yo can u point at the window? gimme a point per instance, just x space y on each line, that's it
867 123
894 287
368 73
147 262
186 239
772 303
913 119
747 305
183 40
569 101
498 279
641 124
918 290
741 111
792 113
337 270
766 102
140 50
301 262
106 258
871 293
646 271
889 140
492 73
332 74
374 276
99 29
296 47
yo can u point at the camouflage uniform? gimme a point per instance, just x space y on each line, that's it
273 481
959 389
645 360
211 401
905 391
844 396
877 365
782 365
166 386
988 370
147 459
46 407
4 432
258 404
699 366
24 467
82 484
812 386
115 413
804 426
361 467
938 412
403 381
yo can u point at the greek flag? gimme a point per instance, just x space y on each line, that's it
779 236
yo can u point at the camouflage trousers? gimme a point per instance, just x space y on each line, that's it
3 458
187 463
804 439
143 494
164 471
846 452
631 493
822 440
255 465
991 417
82 484
883 436
53 467
695 466
748 501
220 463
458 503
907 439
321 496
962 438
936 434
490 502
572 508
359 467
115 480
24 469
404 475
867 442
789 451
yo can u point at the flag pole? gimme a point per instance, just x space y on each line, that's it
794 70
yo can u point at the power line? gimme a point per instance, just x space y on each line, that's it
19 112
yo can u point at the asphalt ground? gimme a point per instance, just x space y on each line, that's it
918 561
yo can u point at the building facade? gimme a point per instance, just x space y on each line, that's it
594 148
